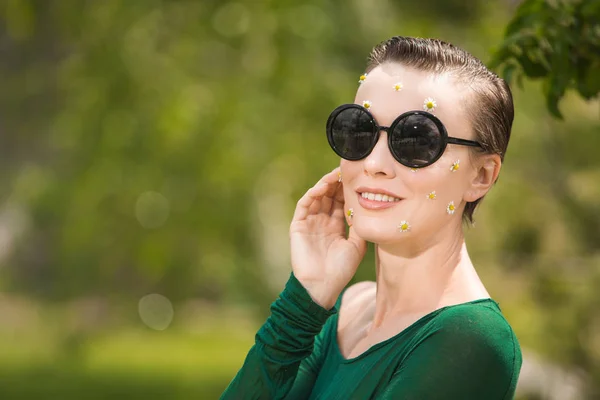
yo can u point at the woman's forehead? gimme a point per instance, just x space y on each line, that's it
392 89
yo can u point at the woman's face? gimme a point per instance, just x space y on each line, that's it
427 195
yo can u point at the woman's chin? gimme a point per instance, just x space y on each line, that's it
383 233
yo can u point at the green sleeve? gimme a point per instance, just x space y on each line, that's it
466 357
283 350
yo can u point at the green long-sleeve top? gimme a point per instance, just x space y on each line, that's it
463 351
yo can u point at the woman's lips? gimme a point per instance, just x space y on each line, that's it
374 204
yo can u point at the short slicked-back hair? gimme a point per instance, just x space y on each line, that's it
490 108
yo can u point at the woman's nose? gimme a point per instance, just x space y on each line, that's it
380 161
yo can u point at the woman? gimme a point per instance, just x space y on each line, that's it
421 145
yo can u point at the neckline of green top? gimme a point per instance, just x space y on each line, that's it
405 330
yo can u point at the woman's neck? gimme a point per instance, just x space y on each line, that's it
419 283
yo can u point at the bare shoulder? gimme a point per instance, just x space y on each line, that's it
355 300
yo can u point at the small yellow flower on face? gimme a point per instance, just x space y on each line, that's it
350 213
362 78
451 208
398 86
455 166
429 104
367 104
404 226
432 195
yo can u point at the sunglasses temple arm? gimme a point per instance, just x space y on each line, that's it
464 142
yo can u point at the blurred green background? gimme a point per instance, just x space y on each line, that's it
151 155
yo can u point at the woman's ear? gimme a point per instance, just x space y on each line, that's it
486 172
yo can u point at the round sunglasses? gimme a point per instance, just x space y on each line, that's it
416 139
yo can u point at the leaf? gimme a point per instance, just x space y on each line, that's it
509 71
588 81
530 60
554 91
526 15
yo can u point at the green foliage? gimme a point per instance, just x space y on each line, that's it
556 41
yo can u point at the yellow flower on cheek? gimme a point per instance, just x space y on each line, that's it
451 208
455 166
429 104
404 226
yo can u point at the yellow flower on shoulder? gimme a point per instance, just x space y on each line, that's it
362 78
404 226
429 104
367 104
398 86
451 208
455 166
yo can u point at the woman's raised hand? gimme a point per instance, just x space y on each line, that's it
323 259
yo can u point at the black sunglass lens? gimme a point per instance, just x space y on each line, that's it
352 133
416 140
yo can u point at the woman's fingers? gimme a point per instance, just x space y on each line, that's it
337 210
313 195
319 198
333 180
331 177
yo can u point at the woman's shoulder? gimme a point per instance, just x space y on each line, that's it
477 322
475 315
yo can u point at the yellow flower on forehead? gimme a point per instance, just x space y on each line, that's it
404 226
362 78
413 170
432 195
398 86
455 166
367 104
451 208
429 104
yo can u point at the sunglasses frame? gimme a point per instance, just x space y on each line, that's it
377 128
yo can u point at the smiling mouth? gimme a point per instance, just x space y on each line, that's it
384 198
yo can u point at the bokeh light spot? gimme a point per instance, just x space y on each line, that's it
152 209
308 21
232 19
156 311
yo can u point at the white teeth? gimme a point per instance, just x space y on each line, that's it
379 197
